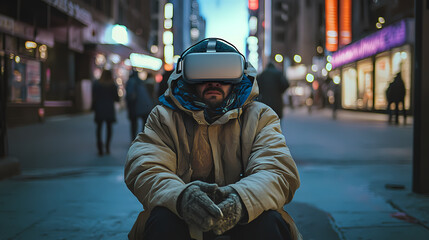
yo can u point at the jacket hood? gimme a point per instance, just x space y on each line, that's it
180 95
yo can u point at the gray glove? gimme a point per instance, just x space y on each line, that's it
196 207
231 207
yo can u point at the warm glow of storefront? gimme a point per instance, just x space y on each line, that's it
365 84
349 87
366 67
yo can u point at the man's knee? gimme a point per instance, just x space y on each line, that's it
269 225
161 219
270 218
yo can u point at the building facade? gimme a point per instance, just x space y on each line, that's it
51 51
382 47
188 25
289 33
305 36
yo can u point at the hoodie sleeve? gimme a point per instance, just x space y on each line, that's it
150 170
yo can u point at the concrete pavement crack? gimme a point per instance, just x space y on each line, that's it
336 228
417 221
33 224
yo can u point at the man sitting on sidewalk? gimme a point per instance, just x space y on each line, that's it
211 160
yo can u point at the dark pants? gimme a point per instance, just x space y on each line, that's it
389 111
99 138
164 224
134 125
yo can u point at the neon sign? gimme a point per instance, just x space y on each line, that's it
331 12
383 40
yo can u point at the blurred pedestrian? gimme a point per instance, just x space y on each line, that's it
139 101
334 97
289 93
104 96
272 84
163 85
395 94
149 83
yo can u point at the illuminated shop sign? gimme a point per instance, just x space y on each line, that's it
297 72
145 61
168 37
253 57
253 25
383 40
116 34
120 34
345 22
253 4
331 12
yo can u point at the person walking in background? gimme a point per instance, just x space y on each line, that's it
335 98
395 94
163 85
104 96
139 102
150 83
272 84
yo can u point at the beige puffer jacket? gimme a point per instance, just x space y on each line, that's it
158 165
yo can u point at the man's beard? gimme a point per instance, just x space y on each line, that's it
212 102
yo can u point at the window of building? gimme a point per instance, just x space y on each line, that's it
365 84
349 87
382 79
24 77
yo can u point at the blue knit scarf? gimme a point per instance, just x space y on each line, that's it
185 94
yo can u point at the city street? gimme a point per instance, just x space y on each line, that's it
355 171
64 62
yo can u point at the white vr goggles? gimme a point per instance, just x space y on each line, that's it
212 66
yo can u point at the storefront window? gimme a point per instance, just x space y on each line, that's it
349 88
383 77
365 86
24 80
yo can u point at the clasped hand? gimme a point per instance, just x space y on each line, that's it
210 207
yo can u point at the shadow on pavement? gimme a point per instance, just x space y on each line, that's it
313 223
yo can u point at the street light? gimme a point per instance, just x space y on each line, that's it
309 77
297 58
380 22
278 58
328 66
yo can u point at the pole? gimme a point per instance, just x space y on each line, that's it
421 99
3 99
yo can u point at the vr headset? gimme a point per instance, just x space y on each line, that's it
212 66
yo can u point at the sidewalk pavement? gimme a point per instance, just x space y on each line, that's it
72 203
66 191
363 185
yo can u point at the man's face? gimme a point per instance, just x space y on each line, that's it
213 93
